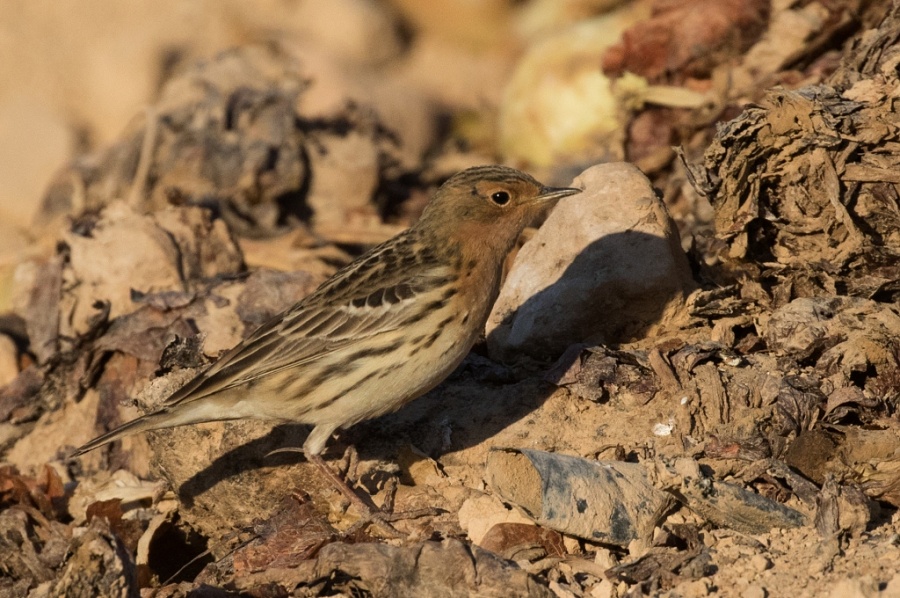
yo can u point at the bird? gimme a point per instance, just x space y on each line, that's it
382 331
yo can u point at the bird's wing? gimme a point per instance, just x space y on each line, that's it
371 296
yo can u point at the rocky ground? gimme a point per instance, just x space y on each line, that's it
689 384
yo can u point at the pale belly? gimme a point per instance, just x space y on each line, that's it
403 378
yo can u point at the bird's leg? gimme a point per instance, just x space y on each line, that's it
371 513
350 464
390 493
340 484
384 515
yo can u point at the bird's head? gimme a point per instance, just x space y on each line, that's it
489 204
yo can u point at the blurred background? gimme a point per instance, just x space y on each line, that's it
379 101
519 81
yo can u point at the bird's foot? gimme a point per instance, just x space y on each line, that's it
382 516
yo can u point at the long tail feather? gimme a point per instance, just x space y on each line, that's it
151 421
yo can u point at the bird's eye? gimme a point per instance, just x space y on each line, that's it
501 198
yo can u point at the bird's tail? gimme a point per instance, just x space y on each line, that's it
152 421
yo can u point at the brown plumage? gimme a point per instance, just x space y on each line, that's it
380 332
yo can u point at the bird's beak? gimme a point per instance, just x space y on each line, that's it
549 194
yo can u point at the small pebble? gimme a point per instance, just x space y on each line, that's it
816 568
754 591
760 563
561 590
573 545
694 589
605 558
604 589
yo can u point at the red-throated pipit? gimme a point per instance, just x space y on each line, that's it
382 331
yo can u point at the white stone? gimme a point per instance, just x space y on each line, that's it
606 266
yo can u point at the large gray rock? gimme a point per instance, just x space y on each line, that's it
606 266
